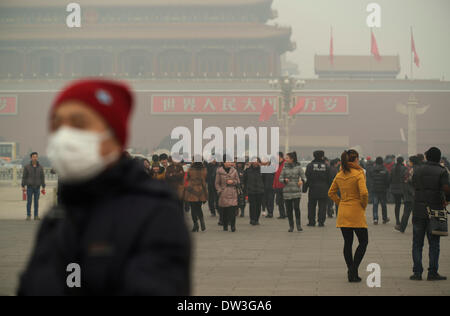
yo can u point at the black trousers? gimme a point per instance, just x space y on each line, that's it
213 200
280 202
322 215
229 216
330 205
255 201
406 214
398 204
363 238
269 201
293 206
196 212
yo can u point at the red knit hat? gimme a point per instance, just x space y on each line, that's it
111 99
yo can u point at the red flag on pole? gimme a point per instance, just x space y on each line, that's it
331 48
266 113
298 108
374 48
413 50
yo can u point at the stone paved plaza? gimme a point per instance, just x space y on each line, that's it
263 260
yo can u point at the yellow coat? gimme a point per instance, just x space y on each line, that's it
353 200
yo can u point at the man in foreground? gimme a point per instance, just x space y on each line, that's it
125 232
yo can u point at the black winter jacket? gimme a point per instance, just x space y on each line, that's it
398 179
318 178
253 181
379 176
125 231
33 177
429 180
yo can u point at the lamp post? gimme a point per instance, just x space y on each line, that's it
412 109
286 85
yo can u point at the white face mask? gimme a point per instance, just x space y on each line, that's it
75 154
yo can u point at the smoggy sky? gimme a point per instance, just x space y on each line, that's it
311 21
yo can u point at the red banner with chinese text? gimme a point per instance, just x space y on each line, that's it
240 104
8 105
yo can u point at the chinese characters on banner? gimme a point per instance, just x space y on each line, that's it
8 105
239 104
324 105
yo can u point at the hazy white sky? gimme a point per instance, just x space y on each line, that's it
311 21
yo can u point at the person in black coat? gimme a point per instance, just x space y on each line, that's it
318 183
240 168
397 183
213 198
379 176
269 192
116 231
432 192
254 186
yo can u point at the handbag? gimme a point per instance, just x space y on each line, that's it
438 222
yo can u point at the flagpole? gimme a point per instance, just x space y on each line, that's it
371 59
411 54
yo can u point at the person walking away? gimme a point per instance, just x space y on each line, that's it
269 192
380 180
432 191
397 181
408 195
227 181
318 182
369 170
278 186
253 182
196 193
351 219
33 178
293 177
126 231
240 168
213 199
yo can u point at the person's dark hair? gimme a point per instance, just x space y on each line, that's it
347 157
421 158
319 154
281 155
398 166
379 161
197 165
155 158
293 156
33 153
163 157
433 154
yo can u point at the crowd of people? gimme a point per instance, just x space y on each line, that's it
122 218
386 179
347 185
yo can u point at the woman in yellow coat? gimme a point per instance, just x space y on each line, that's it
351 183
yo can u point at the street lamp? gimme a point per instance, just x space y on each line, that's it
412 109
287 86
